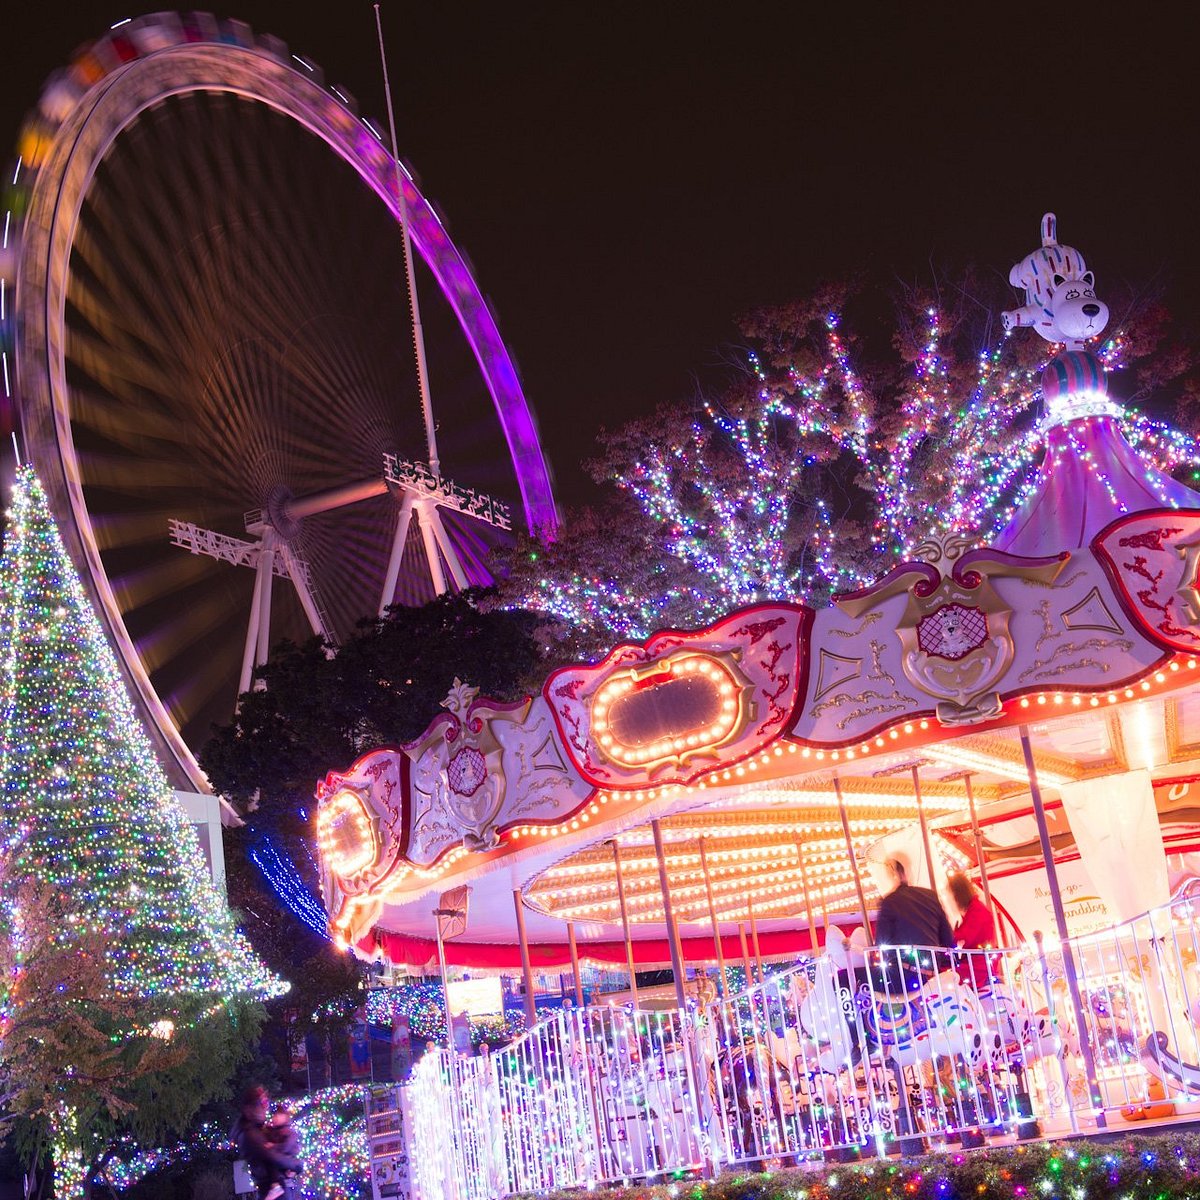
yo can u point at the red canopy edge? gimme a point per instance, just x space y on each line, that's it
404 950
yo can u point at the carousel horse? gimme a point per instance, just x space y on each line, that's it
942 1018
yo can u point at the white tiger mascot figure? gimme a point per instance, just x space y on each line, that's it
1060 293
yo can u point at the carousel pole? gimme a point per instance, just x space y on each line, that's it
441 949
747 966
669 913
762 975
808 907
625 923
979 855
712 920
1060 920
916 778
575 963
526 965
858 887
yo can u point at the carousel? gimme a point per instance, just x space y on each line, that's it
729 803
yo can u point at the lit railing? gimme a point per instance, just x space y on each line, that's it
890 1052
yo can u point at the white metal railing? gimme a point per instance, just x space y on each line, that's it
835 1056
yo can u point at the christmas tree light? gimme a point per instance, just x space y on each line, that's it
87 806
814 476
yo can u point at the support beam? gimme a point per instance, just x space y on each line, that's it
399 541
858 887
351 493
298 574
712 919
266 566
669 913
449 552
250 653
432 557
625 922
1060 920
526 965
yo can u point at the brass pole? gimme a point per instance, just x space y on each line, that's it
625 923
526 966
980 858
746 964
808 908
677 970
712 920
916 778
1060 920
858 887
762 975
575 963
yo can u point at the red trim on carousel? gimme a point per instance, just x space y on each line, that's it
403 949
1109 565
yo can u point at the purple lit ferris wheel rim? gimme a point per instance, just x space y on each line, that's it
138 66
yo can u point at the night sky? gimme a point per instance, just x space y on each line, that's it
627 178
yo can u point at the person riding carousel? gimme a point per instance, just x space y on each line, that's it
976 930
910 925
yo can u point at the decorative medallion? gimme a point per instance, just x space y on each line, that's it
457 794
481 767
466 772
954 632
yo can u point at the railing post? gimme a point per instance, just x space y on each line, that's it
1060 919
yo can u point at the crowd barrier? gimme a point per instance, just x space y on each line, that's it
845 1054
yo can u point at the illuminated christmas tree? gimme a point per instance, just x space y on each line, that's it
86 807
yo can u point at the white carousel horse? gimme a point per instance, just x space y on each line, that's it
944 1018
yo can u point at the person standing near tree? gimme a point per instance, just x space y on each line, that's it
249 1135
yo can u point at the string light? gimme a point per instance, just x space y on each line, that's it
280 872
766 504
79 781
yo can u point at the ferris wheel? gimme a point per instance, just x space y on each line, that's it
205 290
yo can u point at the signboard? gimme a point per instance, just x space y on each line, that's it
401 1046
1026 897
476 997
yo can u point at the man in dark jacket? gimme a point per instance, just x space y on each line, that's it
910 916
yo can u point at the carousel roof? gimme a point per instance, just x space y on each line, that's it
1090 476
781 749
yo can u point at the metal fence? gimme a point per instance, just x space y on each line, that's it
841 1055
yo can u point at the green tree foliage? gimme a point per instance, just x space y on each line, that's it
318 712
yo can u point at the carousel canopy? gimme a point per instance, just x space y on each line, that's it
782 750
